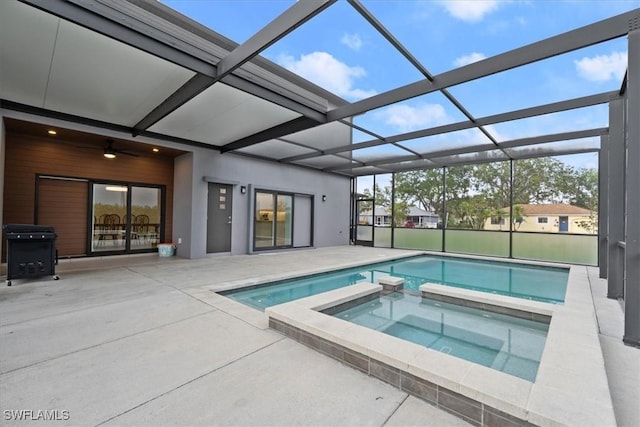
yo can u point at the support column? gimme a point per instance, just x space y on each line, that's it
444 208
603 204
632 170
615 191
393 210
511 170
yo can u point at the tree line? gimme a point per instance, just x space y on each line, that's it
474 193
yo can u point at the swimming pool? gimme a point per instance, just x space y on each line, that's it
547 284
505 343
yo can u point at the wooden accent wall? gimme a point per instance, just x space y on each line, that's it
26 156
64 205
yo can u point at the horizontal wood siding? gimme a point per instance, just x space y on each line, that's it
27 156
63 205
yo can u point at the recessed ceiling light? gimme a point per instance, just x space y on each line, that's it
155 150
52 132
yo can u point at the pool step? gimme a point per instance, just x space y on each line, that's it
390 283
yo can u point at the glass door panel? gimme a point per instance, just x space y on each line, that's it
109 205
284 221
364 227
264 225
146 217
273 221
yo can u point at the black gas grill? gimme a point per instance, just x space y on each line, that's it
31 251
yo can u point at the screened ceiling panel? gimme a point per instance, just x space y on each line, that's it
410 165
219 19
359 136
368 170
276 149
339 42
454 33
568 76
480 157
222 114
326 162
418 113
380 152
330 135
554 148
573 120
464 138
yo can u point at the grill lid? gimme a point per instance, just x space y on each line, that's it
27 228
29 232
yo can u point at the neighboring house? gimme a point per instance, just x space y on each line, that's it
548 218
418 218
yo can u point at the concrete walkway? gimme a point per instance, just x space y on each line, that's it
130 344
142 340
621 362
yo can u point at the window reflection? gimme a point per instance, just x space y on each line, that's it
125 218
283 217
273 222
145 217
264 225
109 217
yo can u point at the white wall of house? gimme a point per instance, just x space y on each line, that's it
331 218
531 223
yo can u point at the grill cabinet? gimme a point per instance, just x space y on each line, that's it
31 251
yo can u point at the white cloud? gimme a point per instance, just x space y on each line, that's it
405 118
326 71
352 41
468 59
469 10
602 67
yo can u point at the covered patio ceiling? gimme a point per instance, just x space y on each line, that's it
142 68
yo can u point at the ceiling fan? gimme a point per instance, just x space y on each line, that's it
110 152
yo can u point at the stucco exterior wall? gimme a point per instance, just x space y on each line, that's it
330 218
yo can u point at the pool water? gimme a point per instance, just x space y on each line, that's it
505 343
545 284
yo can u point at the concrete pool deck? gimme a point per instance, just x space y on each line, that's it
142 340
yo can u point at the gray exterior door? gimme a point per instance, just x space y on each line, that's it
219 218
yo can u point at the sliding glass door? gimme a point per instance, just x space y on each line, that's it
109 209
125 218
284 220
145 218
273 221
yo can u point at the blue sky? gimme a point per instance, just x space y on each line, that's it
341 52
